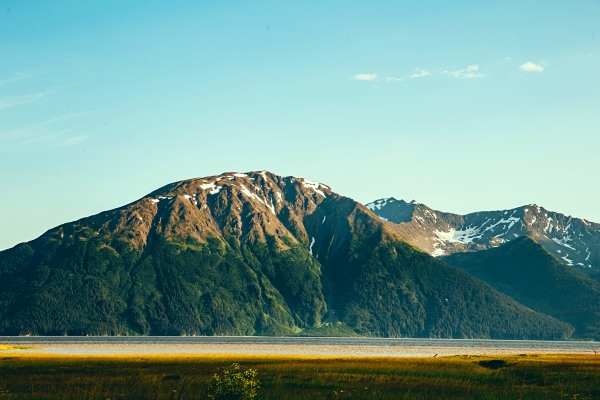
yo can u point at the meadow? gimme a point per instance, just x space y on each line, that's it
526 376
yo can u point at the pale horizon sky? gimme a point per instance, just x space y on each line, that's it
464 106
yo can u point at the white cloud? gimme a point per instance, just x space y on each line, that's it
419 73
364 77
469 72
532 67
472 71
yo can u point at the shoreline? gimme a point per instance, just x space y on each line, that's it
277 346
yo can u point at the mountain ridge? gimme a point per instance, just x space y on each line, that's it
527 272
247 254
575 241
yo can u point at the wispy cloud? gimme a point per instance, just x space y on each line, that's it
419 73
72 141
51 132
532 67
12 101
469 72
472 71
28 131
364 77
19 76
17 100
20 138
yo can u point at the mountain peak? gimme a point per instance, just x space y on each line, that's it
244 254
572 240
214 184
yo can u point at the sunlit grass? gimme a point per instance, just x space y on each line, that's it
43 376
9 347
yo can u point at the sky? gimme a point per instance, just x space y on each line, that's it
462 105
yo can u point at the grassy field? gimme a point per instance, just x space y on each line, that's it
32 376
9 347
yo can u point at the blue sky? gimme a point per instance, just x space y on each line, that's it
461 105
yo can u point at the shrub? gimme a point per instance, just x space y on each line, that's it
233 383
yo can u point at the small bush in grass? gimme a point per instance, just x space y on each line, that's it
233 383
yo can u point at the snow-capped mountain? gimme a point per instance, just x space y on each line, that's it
575 241
247 254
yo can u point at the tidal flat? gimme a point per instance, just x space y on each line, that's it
29 375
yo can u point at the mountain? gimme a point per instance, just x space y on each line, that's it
524 270
575 241
247 254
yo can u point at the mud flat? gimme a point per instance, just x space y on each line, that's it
63 345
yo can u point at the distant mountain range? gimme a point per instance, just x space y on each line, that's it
575 241
260 254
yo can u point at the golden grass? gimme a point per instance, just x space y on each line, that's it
9 347
46 376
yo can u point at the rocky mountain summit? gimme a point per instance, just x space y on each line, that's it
248 254
574 241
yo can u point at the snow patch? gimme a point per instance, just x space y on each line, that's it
240 175
587 249
432 215
250 194
314 186
214 188
271 206
377 204
438 252
462 236
563 242
254 196
549 225
312 242
511 221
567 260
162 198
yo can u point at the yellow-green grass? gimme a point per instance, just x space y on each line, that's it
8 347
44 376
